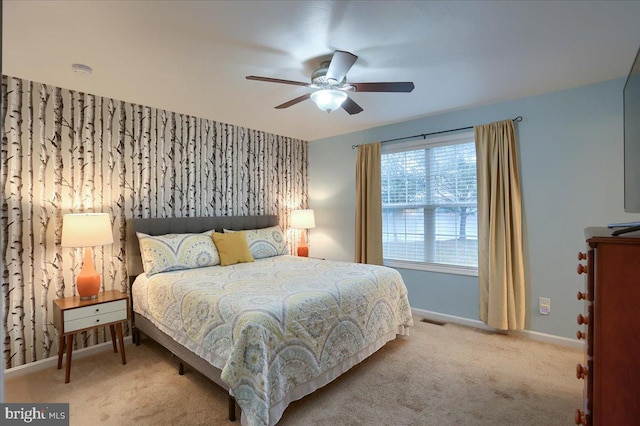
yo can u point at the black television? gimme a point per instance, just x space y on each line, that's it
631 117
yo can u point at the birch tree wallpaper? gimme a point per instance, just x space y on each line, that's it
67 152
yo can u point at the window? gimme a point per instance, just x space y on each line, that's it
429 204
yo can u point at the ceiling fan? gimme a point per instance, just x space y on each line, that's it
330 84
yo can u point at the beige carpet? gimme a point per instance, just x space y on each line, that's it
439 375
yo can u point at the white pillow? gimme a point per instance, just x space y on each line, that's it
172 252
265 242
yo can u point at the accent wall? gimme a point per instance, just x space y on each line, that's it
65 151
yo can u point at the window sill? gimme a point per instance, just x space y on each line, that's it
430 267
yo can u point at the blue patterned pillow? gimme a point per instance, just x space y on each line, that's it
172 252
265 242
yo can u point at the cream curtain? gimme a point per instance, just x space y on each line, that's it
500 260
368 204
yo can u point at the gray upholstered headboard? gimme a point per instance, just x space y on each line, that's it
184 225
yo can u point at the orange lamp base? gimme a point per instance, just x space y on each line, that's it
88 281
303 247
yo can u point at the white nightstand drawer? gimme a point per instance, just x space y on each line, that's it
94 320
102 308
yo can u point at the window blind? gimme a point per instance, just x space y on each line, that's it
429 201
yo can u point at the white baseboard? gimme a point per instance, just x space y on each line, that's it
550 338
533 335
32 367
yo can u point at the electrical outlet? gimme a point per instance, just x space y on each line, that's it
544 305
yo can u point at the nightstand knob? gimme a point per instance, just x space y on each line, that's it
580 335
582 319
98 320
582 256
97 309
582 269
581 295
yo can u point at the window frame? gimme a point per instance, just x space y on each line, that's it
426 143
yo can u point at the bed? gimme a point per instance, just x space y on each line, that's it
271 331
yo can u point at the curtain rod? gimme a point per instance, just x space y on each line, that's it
424 135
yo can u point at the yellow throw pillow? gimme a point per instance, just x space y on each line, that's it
232 248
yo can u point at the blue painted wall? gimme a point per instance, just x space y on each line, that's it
571 168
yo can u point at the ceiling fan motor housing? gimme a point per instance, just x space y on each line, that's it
318 77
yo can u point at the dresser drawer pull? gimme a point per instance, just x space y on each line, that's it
582 319
580 418
582 269
581 372
580 335
582 296
582 256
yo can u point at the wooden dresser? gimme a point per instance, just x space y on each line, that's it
611 325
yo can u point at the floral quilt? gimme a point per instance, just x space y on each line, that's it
279 322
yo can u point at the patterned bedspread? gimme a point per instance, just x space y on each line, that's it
279 322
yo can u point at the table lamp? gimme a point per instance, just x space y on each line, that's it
87 230
303 219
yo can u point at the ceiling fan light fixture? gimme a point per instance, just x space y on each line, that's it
328 99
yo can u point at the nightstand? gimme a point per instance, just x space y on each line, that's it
72 315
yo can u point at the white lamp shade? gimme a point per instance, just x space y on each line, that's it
303 219
86 230
328 99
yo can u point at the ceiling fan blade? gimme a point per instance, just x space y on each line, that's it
403 87
351 107
341 63
276 80
294 101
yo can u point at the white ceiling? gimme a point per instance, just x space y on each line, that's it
192 56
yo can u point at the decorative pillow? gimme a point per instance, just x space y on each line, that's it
172 252
265 242
233 248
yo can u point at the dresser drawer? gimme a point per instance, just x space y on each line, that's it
87 311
